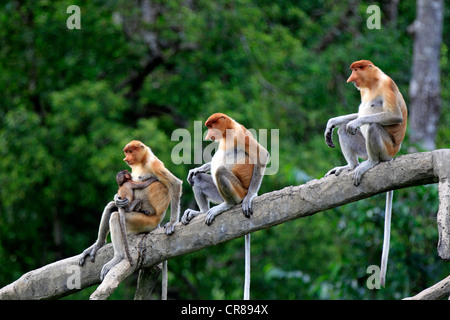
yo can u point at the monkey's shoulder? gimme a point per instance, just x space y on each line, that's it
370 106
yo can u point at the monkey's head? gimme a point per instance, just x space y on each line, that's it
217 125
364 73
122 177
135 152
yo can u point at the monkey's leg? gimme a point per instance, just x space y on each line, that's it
135 205
118 244
204 191
376 145
231 190
352 146
123 231
102 233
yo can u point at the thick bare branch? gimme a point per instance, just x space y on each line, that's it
270 209
439 291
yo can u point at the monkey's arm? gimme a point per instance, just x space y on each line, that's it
257 176
385 118
143 184
336 122
204 169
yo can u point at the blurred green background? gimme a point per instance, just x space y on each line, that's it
71 99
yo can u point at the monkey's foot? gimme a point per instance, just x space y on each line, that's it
361 169
247 205
109 265
170 227
188 215
91 251
337 171
215 211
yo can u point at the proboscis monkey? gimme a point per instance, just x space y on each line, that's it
126 188
375 133
237 169
155 198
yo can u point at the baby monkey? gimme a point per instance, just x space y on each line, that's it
126 188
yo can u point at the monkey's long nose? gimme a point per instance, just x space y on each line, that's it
351 78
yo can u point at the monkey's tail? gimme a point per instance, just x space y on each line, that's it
247 268
164 281
387 236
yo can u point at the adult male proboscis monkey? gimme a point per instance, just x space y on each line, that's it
237 169
155 200
375 133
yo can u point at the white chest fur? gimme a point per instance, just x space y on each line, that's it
217 160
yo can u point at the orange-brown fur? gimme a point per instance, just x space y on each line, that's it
127 186
157 194
241 138
374 83
382 115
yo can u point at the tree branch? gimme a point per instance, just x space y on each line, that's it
439 291
270 209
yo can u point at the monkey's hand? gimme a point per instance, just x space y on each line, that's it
203 169
329 135
170 227
247 204
121 203
352 126
191 174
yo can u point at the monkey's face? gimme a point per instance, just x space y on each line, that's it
214 134
127 176
132 156
217 125
362 74
134 152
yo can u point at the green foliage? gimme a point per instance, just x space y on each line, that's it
71 99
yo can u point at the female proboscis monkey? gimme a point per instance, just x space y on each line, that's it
155 201
237 169
375 133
